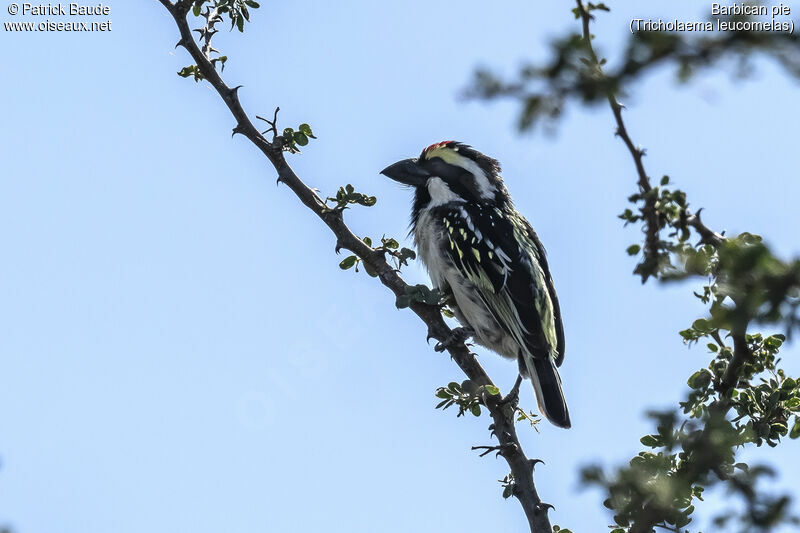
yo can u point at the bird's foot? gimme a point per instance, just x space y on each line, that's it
456 337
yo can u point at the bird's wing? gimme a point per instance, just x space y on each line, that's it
505 260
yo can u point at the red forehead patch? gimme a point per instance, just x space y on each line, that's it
438 145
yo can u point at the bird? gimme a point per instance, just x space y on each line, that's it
487 260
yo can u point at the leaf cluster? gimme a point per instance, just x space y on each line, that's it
237 11
292 138
467 396
742 397
347 196
389 246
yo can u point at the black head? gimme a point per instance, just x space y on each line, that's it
450 171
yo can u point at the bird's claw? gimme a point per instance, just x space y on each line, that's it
456 337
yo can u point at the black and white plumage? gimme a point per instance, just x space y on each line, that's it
481 251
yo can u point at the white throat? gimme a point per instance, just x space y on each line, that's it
441 193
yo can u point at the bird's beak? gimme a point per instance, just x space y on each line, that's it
408 172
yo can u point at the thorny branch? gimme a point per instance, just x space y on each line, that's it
501 412
650 516
651 217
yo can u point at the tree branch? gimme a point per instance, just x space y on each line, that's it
502 412
651 515
651 217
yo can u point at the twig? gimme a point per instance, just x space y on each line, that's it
651 218
502 415
652 225
273 124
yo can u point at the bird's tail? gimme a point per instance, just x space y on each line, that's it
547 384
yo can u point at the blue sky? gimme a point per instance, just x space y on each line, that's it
180 351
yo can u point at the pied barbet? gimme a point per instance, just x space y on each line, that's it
484 255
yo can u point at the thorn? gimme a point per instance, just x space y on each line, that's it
338 246
542 507
233 91
237 130
534 462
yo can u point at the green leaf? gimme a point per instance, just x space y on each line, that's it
491 389
633 249
476 409
408 253
196 8
665 180
702 325
306 129
252 3
300 138
240 24
390 243
700 379
348 262
651 441
795 428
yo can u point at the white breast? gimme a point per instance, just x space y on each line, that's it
430 239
